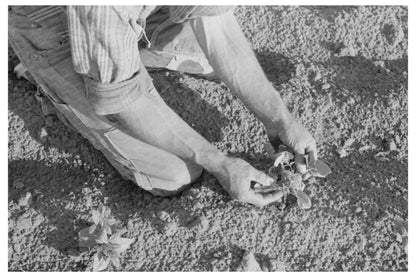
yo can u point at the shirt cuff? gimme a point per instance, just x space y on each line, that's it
112 98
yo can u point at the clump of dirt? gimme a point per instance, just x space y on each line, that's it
342 72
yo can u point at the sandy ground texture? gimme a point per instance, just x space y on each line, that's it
342 72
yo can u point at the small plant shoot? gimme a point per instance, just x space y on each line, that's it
105 234
286 179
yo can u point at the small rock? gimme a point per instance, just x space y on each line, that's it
341 151
380 63
326 86
349 142
163 216
26 200
203 224
17 247
318 76
351 101
248 263
397 139
171 228
358 210
43 134
392 146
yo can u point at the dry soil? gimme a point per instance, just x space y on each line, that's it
342 72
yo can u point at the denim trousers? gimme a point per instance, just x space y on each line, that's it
39 37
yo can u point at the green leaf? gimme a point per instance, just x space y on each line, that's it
249 263
102 237
120 244
95 217
93 229
321 169
107 229
115 261
304 201
86 238
107 212
101 263
118 230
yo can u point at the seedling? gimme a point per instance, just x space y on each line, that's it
286 179
109 248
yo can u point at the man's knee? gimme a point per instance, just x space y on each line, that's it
178 182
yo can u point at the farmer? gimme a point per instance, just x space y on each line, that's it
90 61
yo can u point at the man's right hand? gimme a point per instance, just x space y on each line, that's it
236 178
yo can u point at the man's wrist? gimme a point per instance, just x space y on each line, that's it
212 160
279 122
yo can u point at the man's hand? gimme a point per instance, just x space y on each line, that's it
229 53
295 136
237 177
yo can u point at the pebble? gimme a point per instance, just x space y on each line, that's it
392 146
203 224
318 76
326 86
163 216
358 210
43 134
26 200
341 151
349 142
171 228
249 263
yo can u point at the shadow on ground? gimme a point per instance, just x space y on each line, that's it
329 13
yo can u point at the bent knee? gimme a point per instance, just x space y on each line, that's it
179 181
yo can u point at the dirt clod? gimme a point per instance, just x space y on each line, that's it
249 263
26 200
170 228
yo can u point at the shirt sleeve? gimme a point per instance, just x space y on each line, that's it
105 51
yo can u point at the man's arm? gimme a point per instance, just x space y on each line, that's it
152 121
104 48
229 53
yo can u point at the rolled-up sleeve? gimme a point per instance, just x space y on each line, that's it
105 51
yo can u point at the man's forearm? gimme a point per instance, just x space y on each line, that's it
152 121
234 62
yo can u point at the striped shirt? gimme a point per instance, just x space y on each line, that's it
104 47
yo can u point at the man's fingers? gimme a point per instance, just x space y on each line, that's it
300 163
306 176
262 199
262 178
312 154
